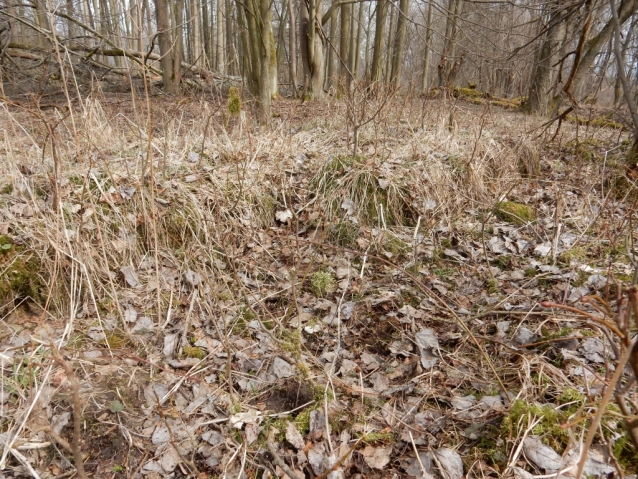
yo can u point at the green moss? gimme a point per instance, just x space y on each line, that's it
322 282
7 189
194 352
395 245
624 451
492 286
577 253
20 272
115 339
302 421
516 213
601 122
504 261
378 438
551 418
234 101
290 342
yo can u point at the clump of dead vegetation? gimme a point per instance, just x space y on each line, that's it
216 290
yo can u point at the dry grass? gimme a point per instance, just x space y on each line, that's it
191 242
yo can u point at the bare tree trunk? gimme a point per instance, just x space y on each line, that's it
178 40
632 155
198 42
623 52
116 33
232 44
366 57
333 45
268 63
541 82
447 65
399 42
592 47
170 78
344 40
388 55
70 11
351 45
206 32
259 58
357 46
41 20
379 37
311 48
220 47
292 45
428 48
281 36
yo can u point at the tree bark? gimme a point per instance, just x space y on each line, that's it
333 45
594 44
399 42
311 49
446 66
541 82
344 40
170 78
428 48
220 47
389 43
357 45
292 46
379 37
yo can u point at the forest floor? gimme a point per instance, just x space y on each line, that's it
256 298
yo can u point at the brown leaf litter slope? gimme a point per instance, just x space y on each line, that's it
256 302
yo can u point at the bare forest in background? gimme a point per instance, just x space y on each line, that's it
556 53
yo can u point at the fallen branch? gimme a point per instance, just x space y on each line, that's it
76 406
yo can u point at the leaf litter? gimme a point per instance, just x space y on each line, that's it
204 347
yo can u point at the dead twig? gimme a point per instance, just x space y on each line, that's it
76 406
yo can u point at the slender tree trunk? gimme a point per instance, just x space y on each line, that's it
592 47
41 20
259 57
268 63
243 54
116 31
206 32
195 19
281 36
178 40
332 46
344 40
292 42
230 41
541 83
428 49
220 58
311 48
447 64
379 37
357 46
399 42
389 42
70 11
366 54
351 45
169 76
